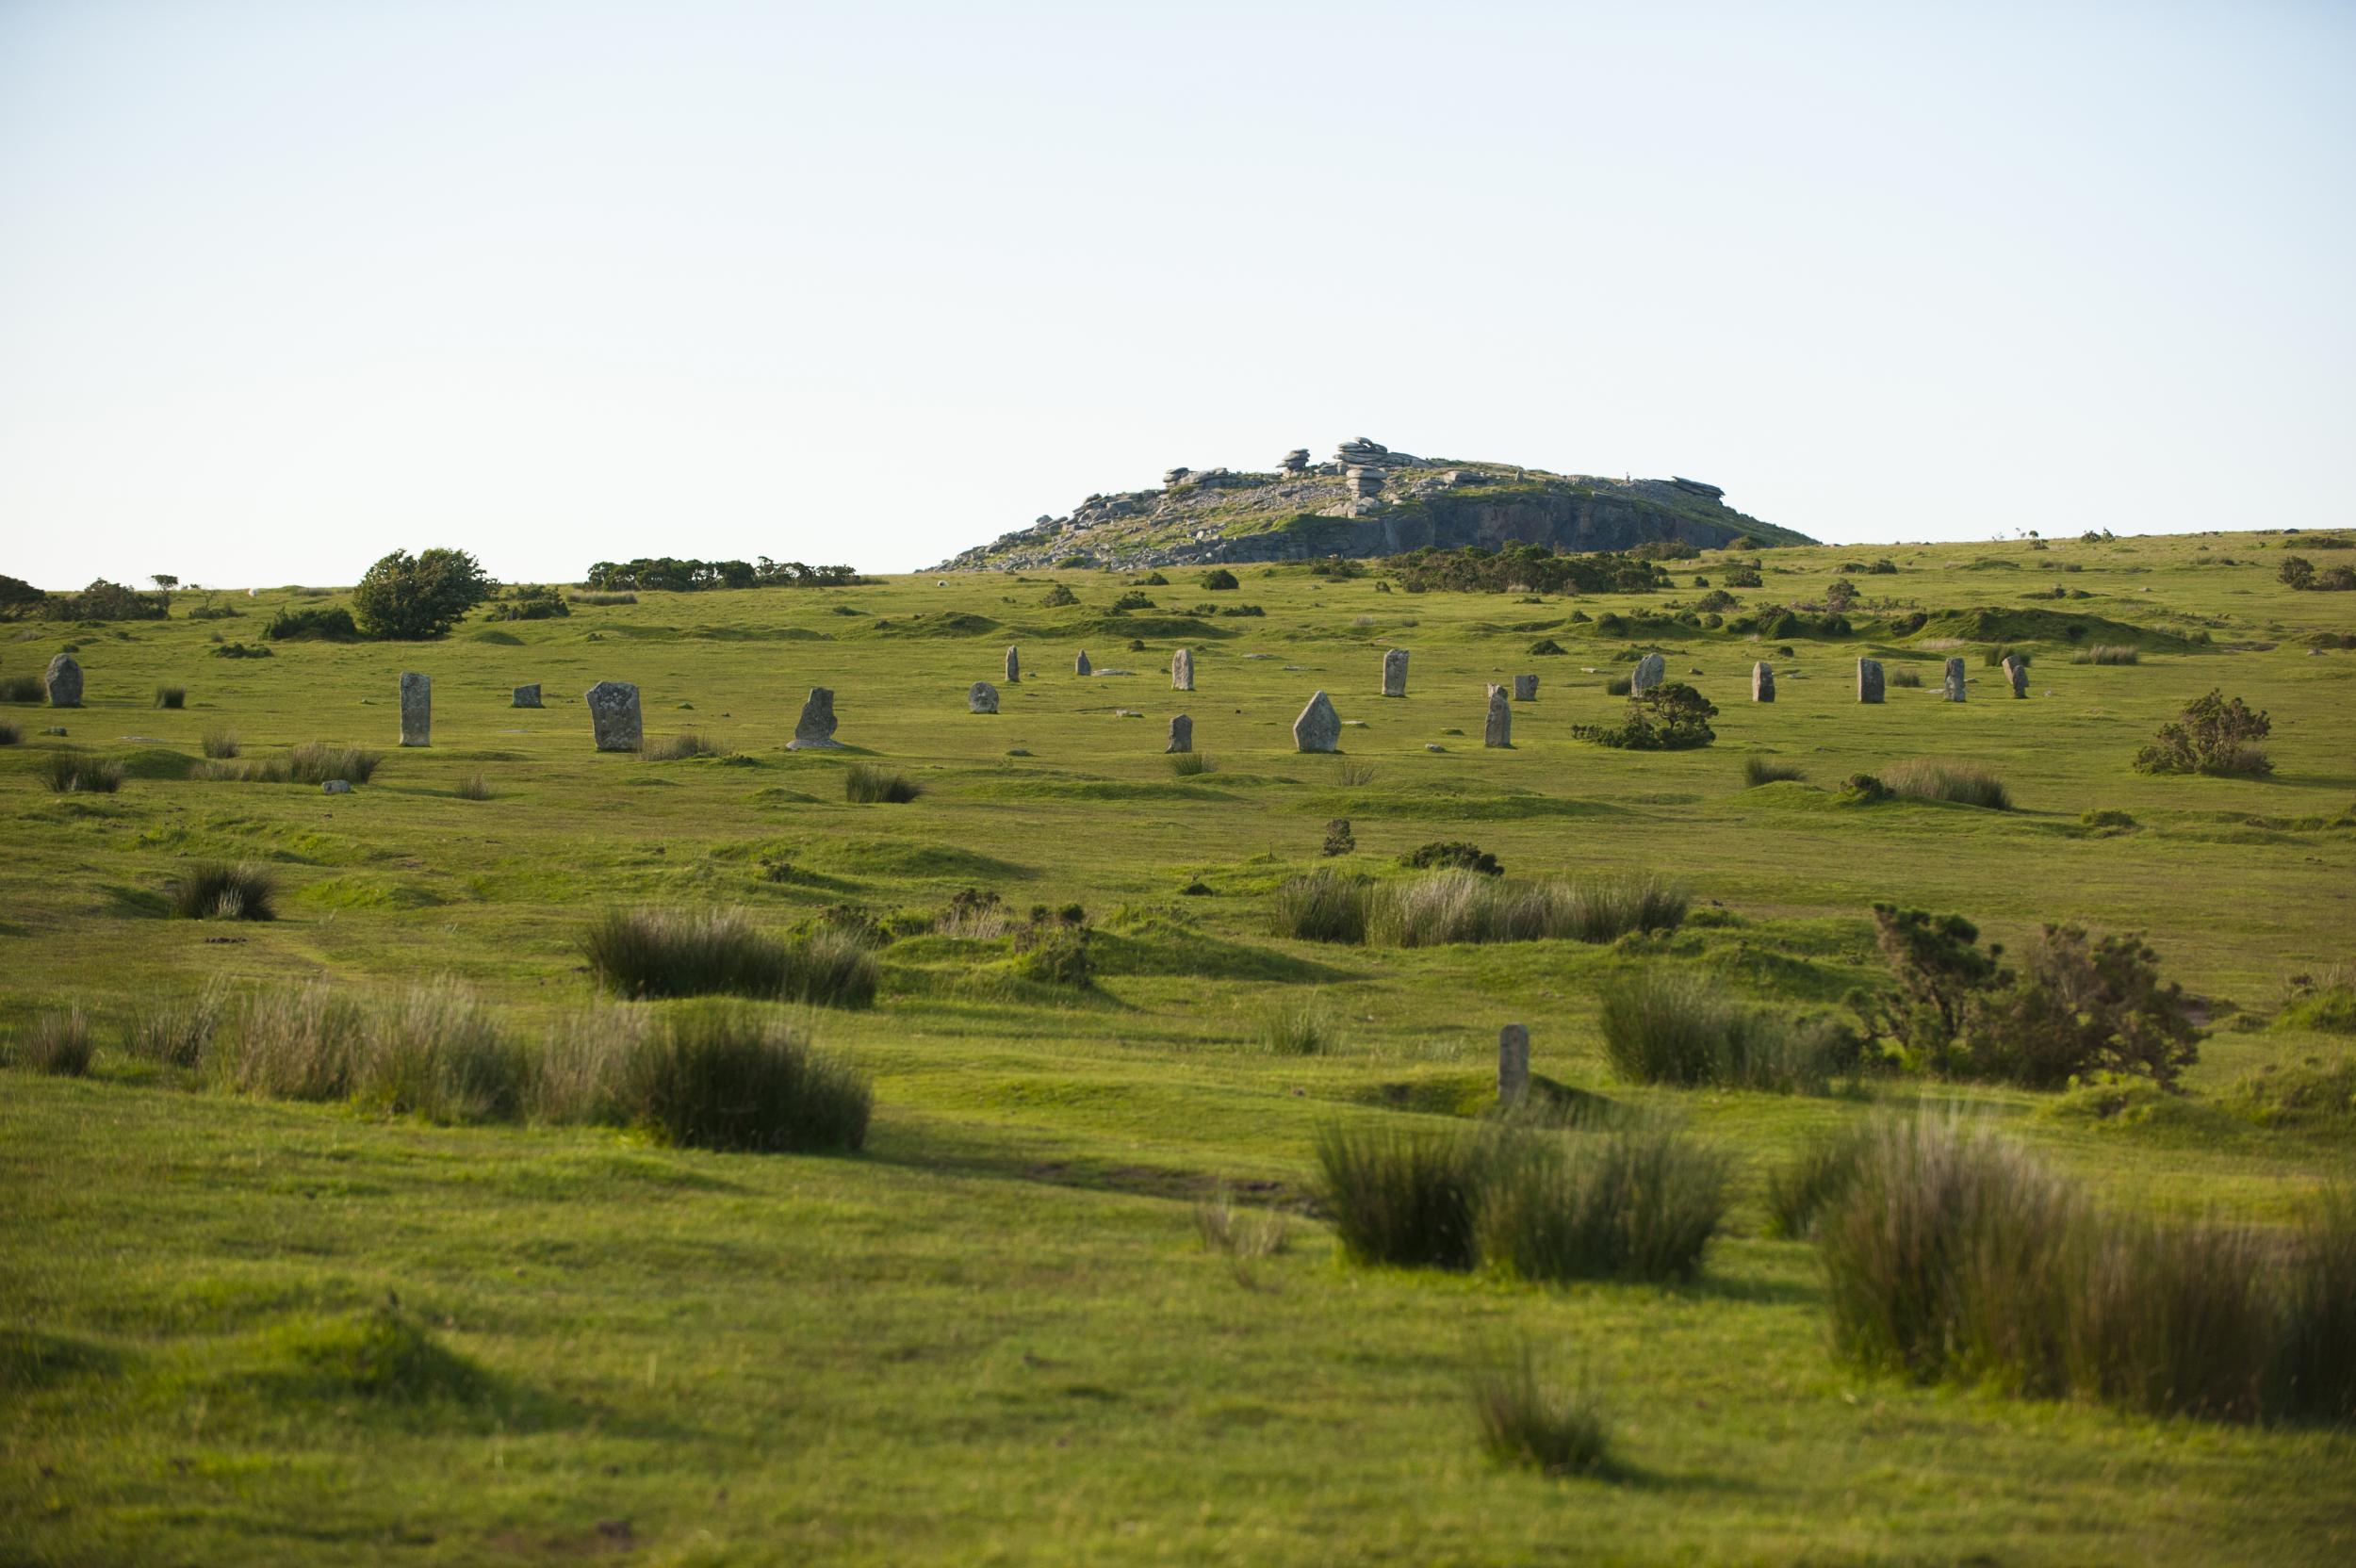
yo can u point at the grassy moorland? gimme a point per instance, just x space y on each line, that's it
236 1327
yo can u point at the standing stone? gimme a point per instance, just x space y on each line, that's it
614 715
528 696
1762 683
1649 672
335 787
814 730
1869 681
1955 679
1014 667
1524 688
1080 665
1181 733
1501 727
417 710
1513 1064
1182 670
2018 673
982 697
64 681
1395 672
1318 729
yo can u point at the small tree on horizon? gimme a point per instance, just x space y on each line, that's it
409 598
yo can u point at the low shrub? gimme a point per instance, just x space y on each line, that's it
1544 647
1671 717
1758 770
57 1042
1059 596
1452 854
671 748
1218 579
531 602
866 785
1863 789
77 772
1633 1205
2212 736
2106 653
240 650
171 696
215 889
716 1076
1322 907
1529 1422
1052 950
1958 783
1295 1028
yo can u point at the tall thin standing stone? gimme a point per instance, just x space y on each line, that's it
1649 672
1524 688
1318 729
2018 673
1182 670
1499 731
63 682
1181 733
1080 665
417 710
1869 681
1014 666
613 716
814 730
1513 1064
1762 683
1955 679
1395 672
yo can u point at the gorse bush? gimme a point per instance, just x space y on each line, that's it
58 1042
865 785
2212 736
215 889
331 625
1959 783
1529 1421
1758 770
655 952
1671 717
76 773
1452 854
410 597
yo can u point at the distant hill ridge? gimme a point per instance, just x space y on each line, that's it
1369 501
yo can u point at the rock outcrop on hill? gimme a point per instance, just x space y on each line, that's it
1370 500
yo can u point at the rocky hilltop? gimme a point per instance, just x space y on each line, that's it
1370 500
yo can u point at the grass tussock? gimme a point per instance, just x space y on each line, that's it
1461 905
176 1033
317 762
1321 907
58 1042
475 786
437 1053
1529 1421
217 890
293 1043
10 734
719 1076
171 696
23 688
1903 676
863 785
219 744
673 748
1190 764
1245 1234
1302 1027
1676 1027
1758 770
657 953
2106 653
1401 1195
69 773
1960 783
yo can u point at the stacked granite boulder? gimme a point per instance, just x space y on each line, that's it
1295 461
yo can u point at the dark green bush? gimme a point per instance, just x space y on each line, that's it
1454 854
2212 736
1220 579
332 624
1758 770
1671 717
409 598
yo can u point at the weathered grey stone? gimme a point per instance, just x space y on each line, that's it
1513 1064
1869 681
1955 679
417 710
1182 670
527 696
982 697
1762 683
614 715
1081 665
337 787
814 730
1524 688
1499 730
1318 729
1395 672
1181 733
2018 673
64 681
1649 672
1014 667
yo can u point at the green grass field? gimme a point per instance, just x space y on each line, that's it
994 1336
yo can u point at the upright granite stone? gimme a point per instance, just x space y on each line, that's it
1014 666
2018 673
1318 729
1762 683
417 710
1513 1064
1869 681
614 715
1649 672
1499 730
1524 688
527 696
1181 733
1955 679
64 681
1182 670
1080 665
1395 672
814 730
982 697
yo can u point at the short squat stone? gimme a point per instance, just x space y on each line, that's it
527 696
614 715
1318 729
1524 688
982 697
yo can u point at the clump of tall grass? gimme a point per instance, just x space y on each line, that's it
9 733
317 762
1636 1204
1190 764
716 1076
293 1043
1244 1235
475 786
215 890
1811 1182
1757 771
866 786
1672 1026
1962 783
1321 907
592 596
69 773
171 696
219 744
176 1033
2314 1374
672 748
1528 1420
252 770
1401 1195
652 953
1457 905
57 1042
436 1051
2106 653
23 688
1903 677
1356 775
1296 1028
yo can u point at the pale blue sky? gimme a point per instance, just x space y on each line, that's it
284 286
